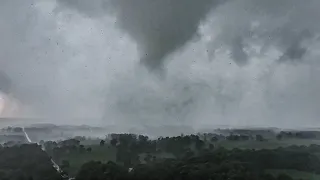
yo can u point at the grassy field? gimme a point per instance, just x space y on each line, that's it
295 174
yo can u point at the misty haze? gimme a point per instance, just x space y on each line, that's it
213 62
159 89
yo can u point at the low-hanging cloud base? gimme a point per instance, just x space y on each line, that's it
244 62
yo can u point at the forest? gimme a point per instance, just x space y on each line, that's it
261 155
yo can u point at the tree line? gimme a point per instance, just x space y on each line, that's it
194 157
26 162
220 164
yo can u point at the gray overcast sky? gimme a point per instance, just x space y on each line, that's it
251 62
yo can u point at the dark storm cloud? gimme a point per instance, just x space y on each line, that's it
294 47
64 64
159 27
5 83
287 25
237 51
